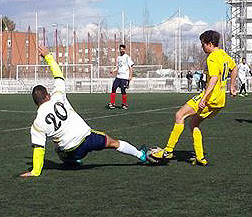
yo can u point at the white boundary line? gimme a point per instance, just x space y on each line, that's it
94 118
15 129
10 111
130 113
109 116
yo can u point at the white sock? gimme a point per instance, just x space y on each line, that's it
127 148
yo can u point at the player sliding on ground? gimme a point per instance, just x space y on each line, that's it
208 103
57 119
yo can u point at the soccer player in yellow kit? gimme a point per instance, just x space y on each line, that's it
209 102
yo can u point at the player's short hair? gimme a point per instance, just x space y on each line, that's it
122 45
39 94
243 58
210 36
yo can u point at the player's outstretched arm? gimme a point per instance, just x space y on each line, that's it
233 81
38 162
55 69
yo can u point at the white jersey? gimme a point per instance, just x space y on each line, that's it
57 119
123 63
243 70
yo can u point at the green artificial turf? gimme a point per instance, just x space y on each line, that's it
111 184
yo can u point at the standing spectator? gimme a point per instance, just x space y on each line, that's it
243 70
124 75
189 77
202 83
196 77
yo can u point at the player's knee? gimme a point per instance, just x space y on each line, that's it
112 143
123 91
179 117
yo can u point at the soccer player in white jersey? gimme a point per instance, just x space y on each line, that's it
124 75
243 70
56 119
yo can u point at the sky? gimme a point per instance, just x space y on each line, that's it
88 13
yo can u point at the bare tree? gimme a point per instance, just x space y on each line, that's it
8 24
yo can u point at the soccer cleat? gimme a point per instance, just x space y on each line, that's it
202 162
246 94
163 154
144 150
125 106
111 106
240 94
167 155
143 156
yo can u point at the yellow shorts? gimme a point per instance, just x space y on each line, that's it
207 112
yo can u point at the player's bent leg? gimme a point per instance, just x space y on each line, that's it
125 147
184 112
68 158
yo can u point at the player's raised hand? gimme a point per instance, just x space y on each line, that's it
43 51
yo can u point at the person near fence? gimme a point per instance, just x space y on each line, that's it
243 70
124 75
189 77
208 103
56 119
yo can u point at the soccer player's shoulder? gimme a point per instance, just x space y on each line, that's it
216 55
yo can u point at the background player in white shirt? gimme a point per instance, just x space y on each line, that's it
123 77
243 70
56 119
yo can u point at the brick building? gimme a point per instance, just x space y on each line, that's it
19 48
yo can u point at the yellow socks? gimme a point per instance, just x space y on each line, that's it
174 136
197 143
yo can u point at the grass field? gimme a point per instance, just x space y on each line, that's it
115 185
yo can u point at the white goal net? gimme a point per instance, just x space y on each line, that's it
139 71
86 78
79 77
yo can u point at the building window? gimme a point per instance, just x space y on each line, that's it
9 43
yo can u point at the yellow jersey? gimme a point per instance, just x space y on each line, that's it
218 63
